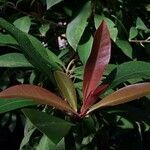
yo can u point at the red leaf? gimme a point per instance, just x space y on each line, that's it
100 89
36 93
96 64
93 98
123 95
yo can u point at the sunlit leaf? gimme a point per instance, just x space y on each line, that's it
36 93
66 88
123 95
23 23
76 27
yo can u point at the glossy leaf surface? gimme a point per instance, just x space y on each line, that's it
36 93
99 58
123 95
15 103
77 26
66 88
55 128
35 55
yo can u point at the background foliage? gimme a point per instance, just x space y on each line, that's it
66 28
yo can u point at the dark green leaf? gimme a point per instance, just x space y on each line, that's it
131 70
54 128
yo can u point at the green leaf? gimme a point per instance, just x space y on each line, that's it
111 26
31 47
54 128
77 26
131 70
51 3
23 23
28 131
140 24
43 29
125 47
14 60
6 39
133 33
15 103
66 88
45 144
125 123
84 50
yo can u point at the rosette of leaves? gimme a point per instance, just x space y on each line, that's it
93 72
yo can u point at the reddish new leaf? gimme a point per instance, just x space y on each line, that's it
36 93
93 98
99 58
123 95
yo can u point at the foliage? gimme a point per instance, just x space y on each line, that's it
49 49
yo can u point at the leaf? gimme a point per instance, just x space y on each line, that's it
54 128
133 33
45 144
51 3
76 27
85 49
36 93
15 103
14 60
28 131
125 47
111 26
23 23
123 95
43 29
66 88
99 58
131 70
6 39
140 24
35 55
93 98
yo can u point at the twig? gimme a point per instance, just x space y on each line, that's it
139 41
